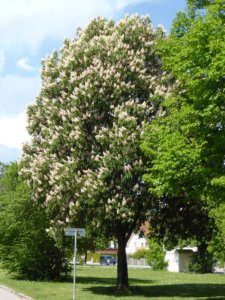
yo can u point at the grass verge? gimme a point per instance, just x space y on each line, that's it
99 282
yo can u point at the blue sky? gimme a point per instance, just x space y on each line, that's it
29 29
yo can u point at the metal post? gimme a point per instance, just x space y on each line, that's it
75 232
75 253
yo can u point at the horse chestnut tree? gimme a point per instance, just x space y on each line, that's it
84 163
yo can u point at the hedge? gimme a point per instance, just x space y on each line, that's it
96 256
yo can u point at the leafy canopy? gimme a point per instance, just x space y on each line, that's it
87 124
186 145
84 163
25 246
217 243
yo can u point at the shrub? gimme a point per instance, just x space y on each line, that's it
201 265
81 261
155 256
140 254
25 246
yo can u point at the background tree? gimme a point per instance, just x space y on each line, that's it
186 145
3 168
84 163
177 222
92 242
217 243
155 255
25 246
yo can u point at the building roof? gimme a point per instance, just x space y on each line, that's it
144 227
184 250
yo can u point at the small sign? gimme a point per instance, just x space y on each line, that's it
71 231
75 232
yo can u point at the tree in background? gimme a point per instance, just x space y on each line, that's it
185 145
3 168
180 219
176 222
85 164
217 243
25 246
155 256
92 242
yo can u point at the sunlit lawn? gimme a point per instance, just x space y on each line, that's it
98 282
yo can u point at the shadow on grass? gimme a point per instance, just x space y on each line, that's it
89 280
105 281
202 291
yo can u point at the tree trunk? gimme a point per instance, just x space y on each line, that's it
202 250
122 273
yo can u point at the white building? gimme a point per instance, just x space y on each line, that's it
135 243
178 259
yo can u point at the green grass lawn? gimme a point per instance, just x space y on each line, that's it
99 282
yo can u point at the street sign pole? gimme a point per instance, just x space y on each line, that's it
75 232
75 255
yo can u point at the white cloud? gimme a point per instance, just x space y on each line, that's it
16 92
23 63
2 60
28 23
13 131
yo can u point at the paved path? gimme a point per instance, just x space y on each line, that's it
98 264
132 266
216 270
8 294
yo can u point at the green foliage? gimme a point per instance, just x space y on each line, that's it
92 242
201 265
140 254
217 243
187 243
186 144
3 168
201 4
156 255
81 262
25 246
178 220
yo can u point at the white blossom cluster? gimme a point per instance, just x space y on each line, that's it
96 97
